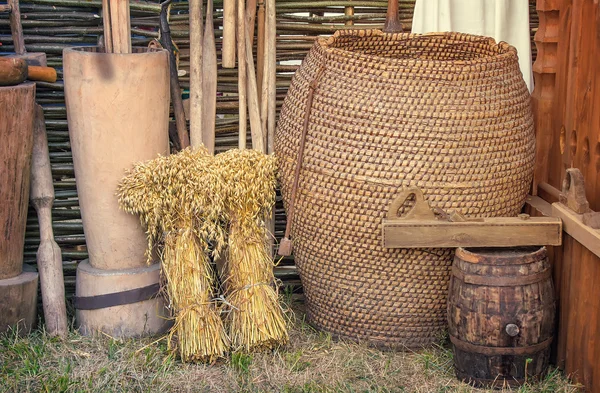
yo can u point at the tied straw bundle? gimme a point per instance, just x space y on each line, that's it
177 199
255 318
187 200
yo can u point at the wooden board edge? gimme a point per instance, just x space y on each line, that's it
574 226
398 233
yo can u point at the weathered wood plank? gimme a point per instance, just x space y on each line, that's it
574 226
490 232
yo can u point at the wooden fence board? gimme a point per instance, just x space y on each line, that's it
568 123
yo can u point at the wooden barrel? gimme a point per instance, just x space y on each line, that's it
16 144
501 315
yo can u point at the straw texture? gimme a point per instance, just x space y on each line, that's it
449 113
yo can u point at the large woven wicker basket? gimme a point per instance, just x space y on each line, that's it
448 113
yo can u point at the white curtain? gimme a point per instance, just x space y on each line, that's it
504 20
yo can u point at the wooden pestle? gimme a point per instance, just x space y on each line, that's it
49 257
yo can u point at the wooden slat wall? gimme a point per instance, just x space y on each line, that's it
566 99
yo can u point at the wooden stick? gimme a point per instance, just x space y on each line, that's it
16 28
270 91
120 25
49 258
195 73
271 34
209 82
258 136
392 22
264 94
260 50
241 47
228 49
108 43
251 18
182 133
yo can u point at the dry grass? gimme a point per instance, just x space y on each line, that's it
311 362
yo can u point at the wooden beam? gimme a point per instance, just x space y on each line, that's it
574 226
489 232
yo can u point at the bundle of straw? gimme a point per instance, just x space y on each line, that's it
178 200
255 318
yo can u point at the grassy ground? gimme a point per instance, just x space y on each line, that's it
312 362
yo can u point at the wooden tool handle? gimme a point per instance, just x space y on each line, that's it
43 74
420 210
392 22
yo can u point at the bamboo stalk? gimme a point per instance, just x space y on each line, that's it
241 47
195 72
209 82
228 48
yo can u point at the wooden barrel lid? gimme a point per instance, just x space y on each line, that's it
502 256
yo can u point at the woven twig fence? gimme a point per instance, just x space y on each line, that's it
51 25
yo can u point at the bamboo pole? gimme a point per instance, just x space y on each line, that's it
241 47
228 48
209 82
195 72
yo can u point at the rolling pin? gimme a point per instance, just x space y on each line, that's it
15 70
49 257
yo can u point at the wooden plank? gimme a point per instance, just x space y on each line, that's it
573 225
555 165
543 208
542 97
490 232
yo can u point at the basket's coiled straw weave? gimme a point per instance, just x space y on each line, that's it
448 113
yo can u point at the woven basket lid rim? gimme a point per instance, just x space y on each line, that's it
503 49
